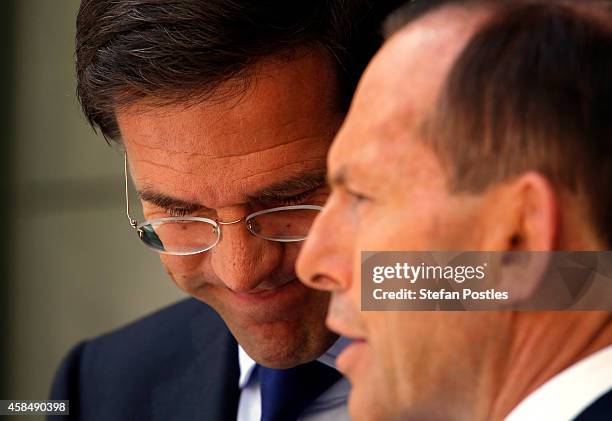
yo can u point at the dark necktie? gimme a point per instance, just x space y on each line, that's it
286 393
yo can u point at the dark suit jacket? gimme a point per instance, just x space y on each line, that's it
600 410
180 363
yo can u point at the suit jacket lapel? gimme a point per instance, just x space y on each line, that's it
202 378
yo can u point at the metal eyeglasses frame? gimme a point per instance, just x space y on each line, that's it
216 224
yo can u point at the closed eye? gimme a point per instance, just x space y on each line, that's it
315 196
295 200
178 212
357 196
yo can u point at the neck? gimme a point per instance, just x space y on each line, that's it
546 343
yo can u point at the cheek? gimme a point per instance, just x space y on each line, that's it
370 397
386 225
186 271
397 346
431 224
291 252
384 339
190 272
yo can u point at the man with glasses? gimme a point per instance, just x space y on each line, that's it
226 111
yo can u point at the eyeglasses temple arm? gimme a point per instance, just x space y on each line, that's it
133 222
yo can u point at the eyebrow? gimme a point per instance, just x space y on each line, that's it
284 189
165 201
295 185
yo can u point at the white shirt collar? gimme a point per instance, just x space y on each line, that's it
247 364
568 393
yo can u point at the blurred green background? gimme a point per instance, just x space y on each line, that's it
71 266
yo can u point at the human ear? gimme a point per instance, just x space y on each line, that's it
522 215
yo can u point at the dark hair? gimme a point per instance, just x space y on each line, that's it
175 50
532 90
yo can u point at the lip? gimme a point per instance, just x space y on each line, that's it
354 352
351 356
269 294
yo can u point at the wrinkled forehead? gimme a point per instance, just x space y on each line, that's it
402 83
277 92
215 151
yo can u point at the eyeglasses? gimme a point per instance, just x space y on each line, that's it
184 236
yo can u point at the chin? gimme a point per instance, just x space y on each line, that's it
285 344
364 406
280 331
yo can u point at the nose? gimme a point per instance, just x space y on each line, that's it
325 261
242 261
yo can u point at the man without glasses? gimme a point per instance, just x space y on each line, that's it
492 131
226 110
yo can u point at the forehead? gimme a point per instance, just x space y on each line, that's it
281 125
400 87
